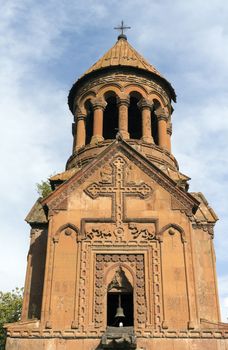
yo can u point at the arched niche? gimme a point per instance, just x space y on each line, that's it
172 227
111 88
119 297
88 121
133 88
110 118
174 277
154 121
69 229
64 276
134 116
85 97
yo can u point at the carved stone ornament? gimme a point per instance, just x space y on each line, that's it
99 233
119 280
142 232
114 184
180 199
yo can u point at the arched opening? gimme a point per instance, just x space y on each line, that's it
154 123
114 318
120 304
110 119
134 117
89 122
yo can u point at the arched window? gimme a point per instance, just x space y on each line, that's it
89 122
120 301
154 123
110 118
134 117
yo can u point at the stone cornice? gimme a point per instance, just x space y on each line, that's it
58 200
14 331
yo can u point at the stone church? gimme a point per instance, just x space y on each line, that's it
121 253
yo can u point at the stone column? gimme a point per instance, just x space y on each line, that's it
98 110
123 102
162 127
81 130
169 133
145 106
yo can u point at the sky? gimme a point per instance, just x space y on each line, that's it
46 45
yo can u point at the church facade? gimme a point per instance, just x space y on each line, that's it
121 253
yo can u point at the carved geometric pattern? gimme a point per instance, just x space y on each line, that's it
139 288
156 262
118 77
82 286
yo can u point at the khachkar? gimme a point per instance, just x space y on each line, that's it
121 254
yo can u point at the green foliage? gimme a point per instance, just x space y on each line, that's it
10 311
44 188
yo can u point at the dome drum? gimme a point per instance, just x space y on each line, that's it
136 108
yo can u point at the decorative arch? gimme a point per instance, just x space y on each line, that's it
157 99
134 115
69 228
89 120
172 226
111 115
87 96
114 267
114 88
131 88
119 296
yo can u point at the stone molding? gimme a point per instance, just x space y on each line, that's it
37 333
139 287
122 79
185 202
206 227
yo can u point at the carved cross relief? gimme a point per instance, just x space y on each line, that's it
114 184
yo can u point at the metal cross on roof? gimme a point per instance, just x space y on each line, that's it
122 27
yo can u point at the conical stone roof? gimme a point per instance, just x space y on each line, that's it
122 54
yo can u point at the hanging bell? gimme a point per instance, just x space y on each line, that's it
119 310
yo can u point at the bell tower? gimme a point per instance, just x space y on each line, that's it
121 253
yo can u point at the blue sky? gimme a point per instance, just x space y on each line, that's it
45 46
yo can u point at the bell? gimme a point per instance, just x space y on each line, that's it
119 310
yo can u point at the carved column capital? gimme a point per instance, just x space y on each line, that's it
79 115
145 104
162 114
98 103
123 99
